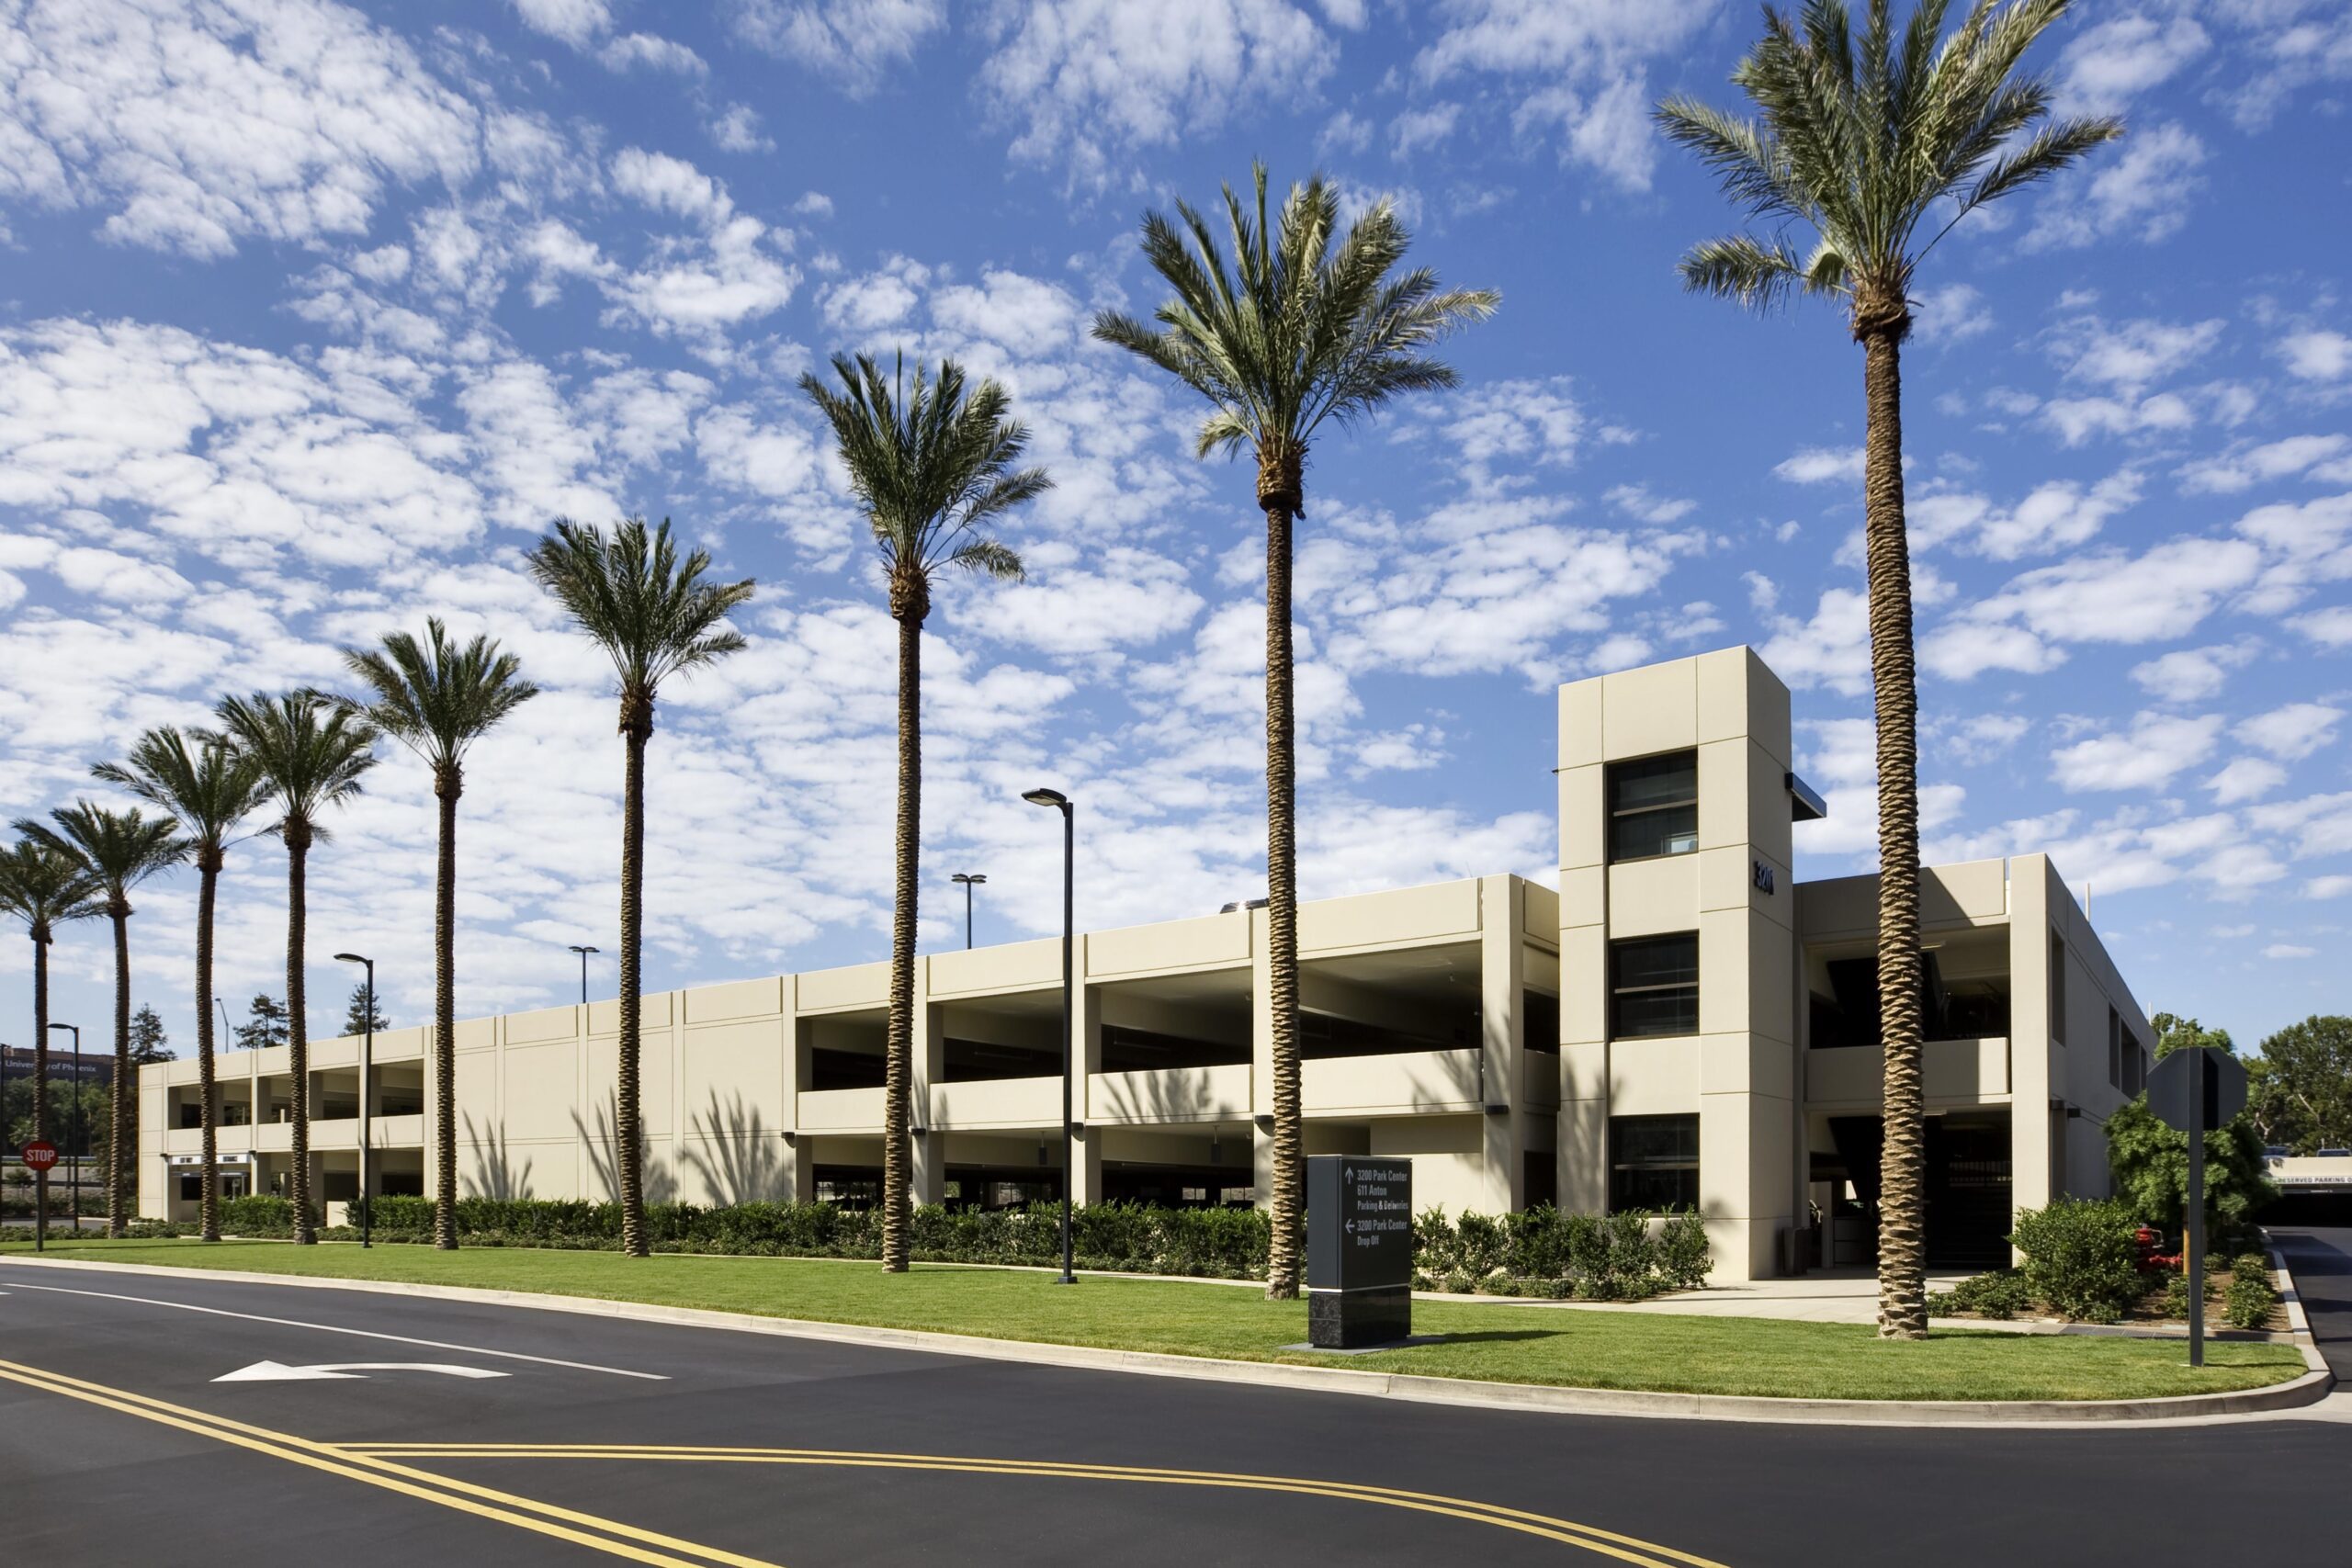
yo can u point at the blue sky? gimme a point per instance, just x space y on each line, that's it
314 316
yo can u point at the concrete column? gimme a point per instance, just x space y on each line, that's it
1502 971
1085 1151
930 1151
2037 1074
800 1168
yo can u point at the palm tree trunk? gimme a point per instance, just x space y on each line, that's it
1288 1206
899 1062
40 1071
207 1116
1902 1250
631 1151
118 1094
444 1018
297 1029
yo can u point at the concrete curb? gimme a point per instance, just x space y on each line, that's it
2183 1409
2299 1324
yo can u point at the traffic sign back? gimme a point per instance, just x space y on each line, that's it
2169 1087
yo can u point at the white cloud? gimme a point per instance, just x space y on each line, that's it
2056 515
1832 648
2291 732
1635 501
1822 465
2160 593
2130 355
670 184
853 44
2192 674
2289 950
2141 193
643 51
736 128
2331 627
2245 466
2109 65
2331 886
2148 755
575 22
1087 80
1418 128
2317 355
2245 778
1951 314
1586 62
196 128
1344 132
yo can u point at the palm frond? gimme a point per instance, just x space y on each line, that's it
207 785
634 595
312 751
45 887
433 696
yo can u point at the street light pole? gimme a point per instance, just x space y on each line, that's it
1061 803
970 882
367 1072
73 1176
583 952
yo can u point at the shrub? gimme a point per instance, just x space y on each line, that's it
2080 1258
2248 1303
260 1213
1684 1256
2003 1294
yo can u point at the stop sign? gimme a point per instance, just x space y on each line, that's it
39 1155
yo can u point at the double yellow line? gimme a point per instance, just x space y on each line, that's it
380 1466
1590 1538
613 1538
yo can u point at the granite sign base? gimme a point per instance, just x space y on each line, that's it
1350 1320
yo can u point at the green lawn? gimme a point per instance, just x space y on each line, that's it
1519 1344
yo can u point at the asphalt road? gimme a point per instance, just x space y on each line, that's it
2321 1262
598 1439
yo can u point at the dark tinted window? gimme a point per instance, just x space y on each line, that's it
1652 1162
1653 807
1654 982
1543 1015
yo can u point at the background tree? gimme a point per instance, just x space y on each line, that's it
148 1044
2150 1163
312 755
1296 332
1879 144
437 699
2300 1095
359 1016
265 1025
44 889
2173 1032
121 850
930 469
209 790
655 617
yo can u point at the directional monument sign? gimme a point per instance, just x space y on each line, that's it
1359 1251
2195 1090
39 1155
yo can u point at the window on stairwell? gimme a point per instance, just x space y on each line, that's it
1653 986
1652 1162
1653 807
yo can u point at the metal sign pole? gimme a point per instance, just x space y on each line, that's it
2196 1226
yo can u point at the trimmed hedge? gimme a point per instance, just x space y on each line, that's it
2082 1257
1541 1251
1538 1252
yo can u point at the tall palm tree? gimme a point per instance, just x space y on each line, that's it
312 754
655 616
1880 146
1305 326
437 699
931 469
119 849
209 788
45 889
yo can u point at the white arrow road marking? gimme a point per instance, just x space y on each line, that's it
356 1333
338 1371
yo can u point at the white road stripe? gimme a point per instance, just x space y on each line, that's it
356 1333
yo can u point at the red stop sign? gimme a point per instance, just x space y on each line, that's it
39 1155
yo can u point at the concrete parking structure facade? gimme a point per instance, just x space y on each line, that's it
1680 1023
